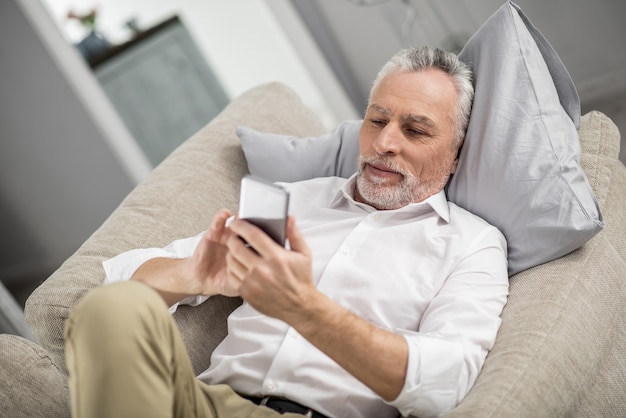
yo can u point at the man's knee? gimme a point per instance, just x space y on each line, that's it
119 306
121 346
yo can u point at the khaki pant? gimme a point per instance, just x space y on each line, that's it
126 358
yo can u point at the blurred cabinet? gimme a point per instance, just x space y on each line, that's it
161 86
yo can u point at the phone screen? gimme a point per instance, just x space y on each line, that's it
265 205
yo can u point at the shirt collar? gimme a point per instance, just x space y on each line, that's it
437 202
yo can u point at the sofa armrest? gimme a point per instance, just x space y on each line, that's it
178 199
30 384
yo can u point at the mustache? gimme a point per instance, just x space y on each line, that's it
381 161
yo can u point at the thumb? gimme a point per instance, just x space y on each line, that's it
296 240
218 224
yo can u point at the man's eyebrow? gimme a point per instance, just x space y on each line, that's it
422 120
379 109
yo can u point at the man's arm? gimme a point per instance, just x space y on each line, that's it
166 276
376 357
279 283
204 273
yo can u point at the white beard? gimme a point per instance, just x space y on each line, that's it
394 196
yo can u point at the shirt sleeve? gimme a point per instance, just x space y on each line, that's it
124 265
457 331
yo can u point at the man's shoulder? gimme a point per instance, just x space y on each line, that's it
317 184
465 219
320 189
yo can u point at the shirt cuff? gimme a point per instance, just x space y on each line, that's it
123 266
433 372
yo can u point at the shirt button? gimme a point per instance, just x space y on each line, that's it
270 385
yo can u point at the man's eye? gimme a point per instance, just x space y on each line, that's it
378 122
414 132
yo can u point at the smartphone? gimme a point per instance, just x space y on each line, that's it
265 205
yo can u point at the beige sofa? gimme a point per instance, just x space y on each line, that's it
561 350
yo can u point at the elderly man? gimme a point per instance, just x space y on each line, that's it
386 300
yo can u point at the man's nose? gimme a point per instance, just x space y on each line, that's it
388 140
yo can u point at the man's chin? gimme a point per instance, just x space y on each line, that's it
389 181
379 196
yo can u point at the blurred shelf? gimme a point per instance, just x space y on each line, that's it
161 86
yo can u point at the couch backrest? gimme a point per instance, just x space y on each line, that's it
562 339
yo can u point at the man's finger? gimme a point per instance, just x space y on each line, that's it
258 241
296 239
219 220
236 268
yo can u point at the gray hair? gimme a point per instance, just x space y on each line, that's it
425 57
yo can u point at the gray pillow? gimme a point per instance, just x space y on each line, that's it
287 158
519 165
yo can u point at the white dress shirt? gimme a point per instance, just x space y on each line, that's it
430 271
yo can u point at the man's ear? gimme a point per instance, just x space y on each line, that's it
454 164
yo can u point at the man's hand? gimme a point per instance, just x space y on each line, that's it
279 283
207 267
275 281
204 273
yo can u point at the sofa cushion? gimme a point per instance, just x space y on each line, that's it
519 166
29 380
